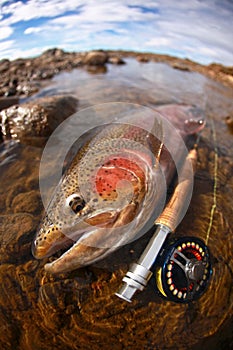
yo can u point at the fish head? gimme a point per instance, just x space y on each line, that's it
98 202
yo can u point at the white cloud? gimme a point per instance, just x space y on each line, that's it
208 55
19 11
7 44
5 32
158 42
190 28
32 30
89 10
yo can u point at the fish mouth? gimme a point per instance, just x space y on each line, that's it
86 245
46 245
77 256
52 240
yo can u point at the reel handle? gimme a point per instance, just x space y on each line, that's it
170 217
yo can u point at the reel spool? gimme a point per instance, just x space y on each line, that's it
183 270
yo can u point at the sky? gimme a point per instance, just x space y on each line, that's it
201 30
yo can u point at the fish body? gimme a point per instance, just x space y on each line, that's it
114 185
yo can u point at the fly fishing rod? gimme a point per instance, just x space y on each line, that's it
183 267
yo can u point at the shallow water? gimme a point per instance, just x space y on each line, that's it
79 310
150 83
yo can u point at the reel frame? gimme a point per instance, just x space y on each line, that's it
183 270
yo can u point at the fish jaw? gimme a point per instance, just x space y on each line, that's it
97 243
46 244
50 239
91 234
76 257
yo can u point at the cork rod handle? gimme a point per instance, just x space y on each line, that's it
170 217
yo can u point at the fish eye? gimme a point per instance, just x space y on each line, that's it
75 202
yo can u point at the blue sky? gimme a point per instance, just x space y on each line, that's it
197 29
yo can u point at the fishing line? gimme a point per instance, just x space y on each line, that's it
214 205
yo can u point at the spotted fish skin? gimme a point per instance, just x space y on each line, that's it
106 195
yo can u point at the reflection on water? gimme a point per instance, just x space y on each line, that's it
79 310
150 83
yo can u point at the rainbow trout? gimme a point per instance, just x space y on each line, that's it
115 184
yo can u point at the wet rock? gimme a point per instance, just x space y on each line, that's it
37 118
219 68
46 74
4 65
116 60
76 61
181 66
6 102
55 52
96 58
53 61
12 88
19 63
11 91
142 59
28 88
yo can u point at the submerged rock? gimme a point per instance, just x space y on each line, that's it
181 66
6 102
97 69
116 60
15 228
143 59
37 118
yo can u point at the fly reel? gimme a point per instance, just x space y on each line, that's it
183 270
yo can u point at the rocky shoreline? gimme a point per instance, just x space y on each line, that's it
24 77
21 78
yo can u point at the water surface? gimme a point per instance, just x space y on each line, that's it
79 310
